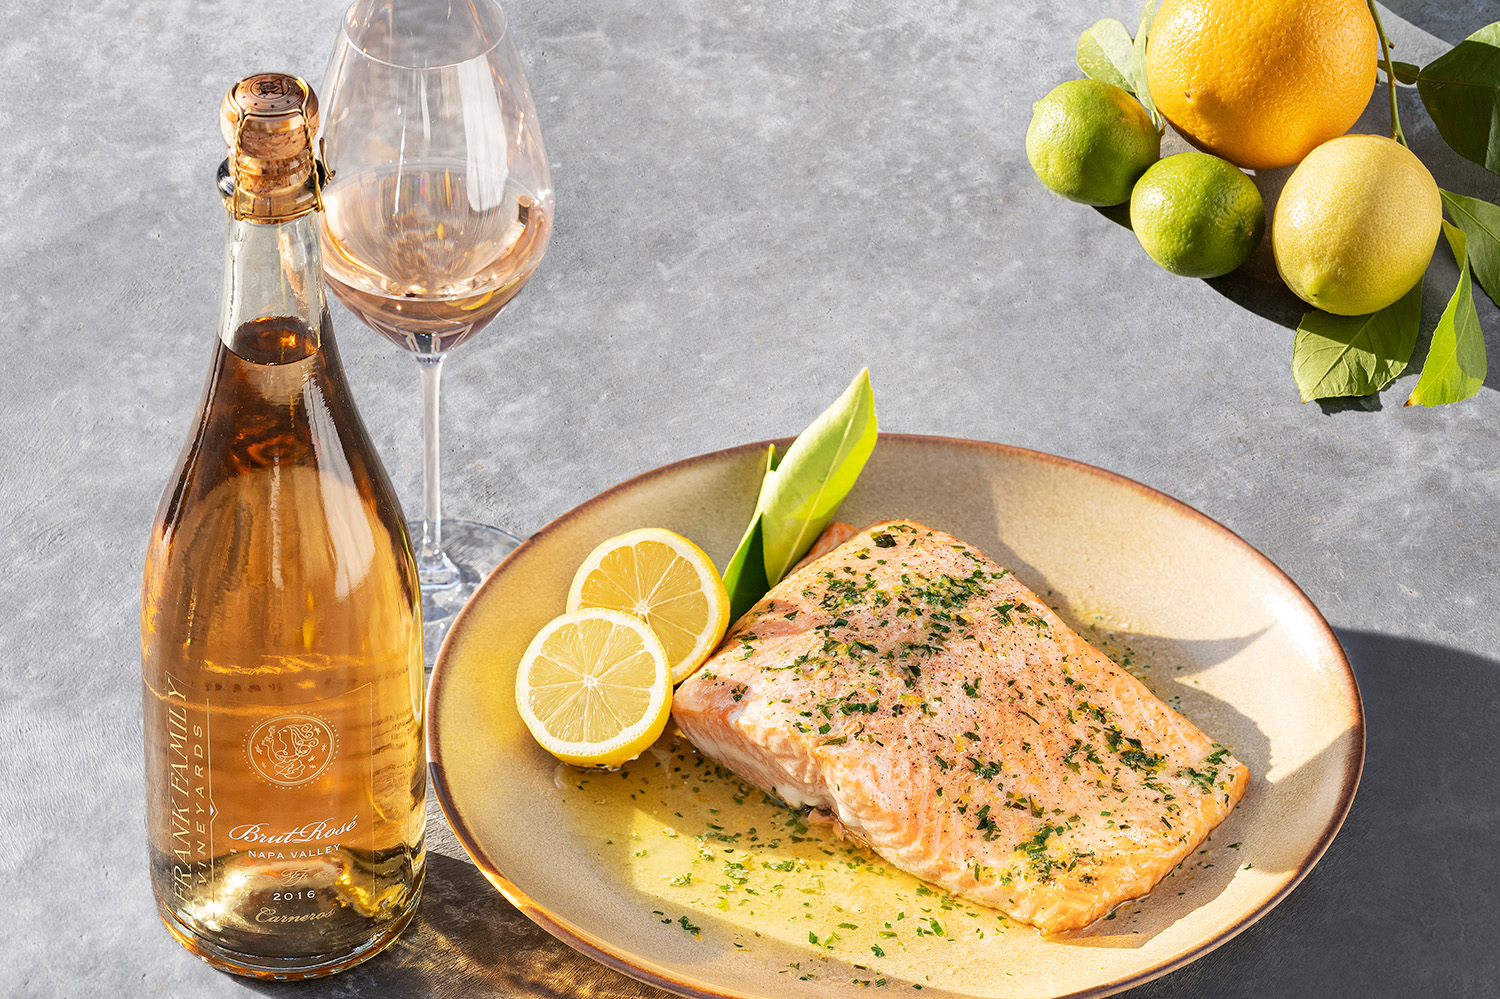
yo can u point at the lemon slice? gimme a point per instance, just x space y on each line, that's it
664 579
594 688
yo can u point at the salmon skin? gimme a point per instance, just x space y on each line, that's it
940 713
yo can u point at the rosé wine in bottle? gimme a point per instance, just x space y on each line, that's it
281 631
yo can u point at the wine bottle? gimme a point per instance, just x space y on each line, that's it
281 635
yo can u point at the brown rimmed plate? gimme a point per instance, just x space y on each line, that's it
677 877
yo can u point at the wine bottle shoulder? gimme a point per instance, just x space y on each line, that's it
280 515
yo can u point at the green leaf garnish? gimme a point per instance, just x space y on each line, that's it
1461 91
745 575
1104 53
800 494
1480 222
1336 356
1455 366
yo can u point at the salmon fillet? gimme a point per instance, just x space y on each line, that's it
944 716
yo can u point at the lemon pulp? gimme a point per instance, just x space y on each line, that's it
594 688
665 580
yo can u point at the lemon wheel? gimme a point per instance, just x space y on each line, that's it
594 688
665 580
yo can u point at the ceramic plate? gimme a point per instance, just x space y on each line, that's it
675 874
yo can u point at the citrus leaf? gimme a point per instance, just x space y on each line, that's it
1138 63
745 575
800 493
1461 90
1405 71
1104 53
1337 356
1455 364
800 497
1480 222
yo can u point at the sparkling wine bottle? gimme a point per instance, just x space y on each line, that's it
281 633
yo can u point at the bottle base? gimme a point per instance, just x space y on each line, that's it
289 969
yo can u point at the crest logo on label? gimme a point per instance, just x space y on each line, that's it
289 750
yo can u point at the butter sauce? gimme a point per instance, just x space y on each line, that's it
719 853
730 865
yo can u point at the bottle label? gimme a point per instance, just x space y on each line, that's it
190 809
275 797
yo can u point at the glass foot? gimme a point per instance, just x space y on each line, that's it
471 551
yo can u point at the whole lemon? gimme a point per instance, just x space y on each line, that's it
1261 83
1197 215
1356 224
1089 141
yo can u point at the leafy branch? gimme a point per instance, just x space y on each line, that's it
1390 74
1339 356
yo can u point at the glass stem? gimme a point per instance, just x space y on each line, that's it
434 568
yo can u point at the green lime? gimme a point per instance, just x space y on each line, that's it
1197 215
1090 141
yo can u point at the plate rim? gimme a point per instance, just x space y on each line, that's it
600 950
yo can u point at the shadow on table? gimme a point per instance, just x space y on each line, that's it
1404 902
1256 285
469 941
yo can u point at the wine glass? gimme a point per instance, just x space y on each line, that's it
437 210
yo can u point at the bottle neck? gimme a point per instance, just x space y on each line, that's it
273 275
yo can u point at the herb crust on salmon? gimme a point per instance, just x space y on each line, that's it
942 714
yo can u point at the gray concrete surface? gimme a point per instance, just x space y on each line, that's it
753 200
